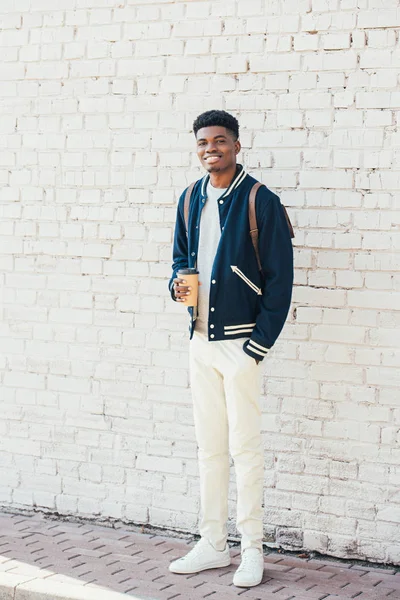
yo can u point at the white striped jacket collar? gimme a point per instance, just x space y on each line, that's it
236 181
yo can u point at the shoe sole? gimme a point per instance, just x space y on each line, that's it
247 585
226 563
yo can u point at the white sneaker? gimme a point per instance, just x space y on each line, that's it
251 569
202 556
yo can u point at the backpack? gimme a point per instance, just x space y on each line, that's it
252 216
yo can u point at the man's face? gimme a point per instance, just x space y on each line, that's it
216 148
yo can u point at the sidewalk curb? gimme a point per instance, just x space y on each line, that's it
23 587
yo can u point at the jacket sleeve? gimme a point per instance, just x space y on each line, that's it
180 248
276 255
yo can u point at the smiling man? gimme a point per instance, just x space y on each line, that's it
244 297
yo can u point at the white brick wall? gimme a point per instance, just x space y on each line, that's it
97 102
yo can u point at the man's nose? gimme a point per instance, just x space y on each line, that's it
211 147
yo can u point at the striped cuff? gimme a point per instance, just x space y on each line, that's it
255 350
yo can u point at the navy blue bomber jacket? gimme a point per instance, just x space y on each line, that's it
244 302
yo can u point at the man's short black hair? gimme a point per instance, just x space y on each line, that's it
220 118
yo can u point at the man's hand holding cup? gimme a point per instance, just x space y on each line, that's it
181 290
186 286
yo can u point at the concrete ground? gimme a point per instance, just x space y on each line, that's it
42 558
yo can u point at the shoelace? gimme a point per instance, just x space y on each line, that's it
249 560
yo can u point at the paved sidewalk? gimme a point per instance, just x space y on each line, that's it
46 559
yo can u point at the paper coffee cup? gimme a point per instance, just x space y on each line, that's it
191 276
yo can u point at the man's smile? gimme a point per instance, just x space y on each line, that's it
213 158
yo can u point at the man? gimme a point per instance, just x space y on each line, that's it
241 312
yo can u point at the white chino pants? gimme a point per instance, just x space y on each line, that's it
226 386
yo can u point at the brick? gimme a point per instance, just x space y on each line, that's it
304 42
271 63
339 334
336 41
381 18
233 64
330 61
153 464
381 38
373 100
326 179
273 24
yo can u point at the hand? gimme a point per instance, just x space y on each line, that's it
257 361
181 291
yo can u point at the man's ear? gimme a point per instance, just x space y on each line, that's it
238 146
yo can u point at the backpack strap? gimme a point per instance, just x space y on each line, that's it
253 221
186 204
288 222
